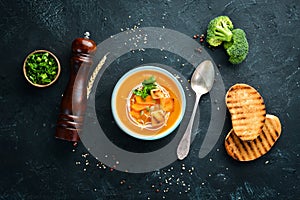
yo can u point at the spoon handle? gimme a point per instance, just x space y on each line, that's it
185 142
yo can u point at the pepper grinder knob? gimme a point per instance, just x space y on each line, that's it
73 104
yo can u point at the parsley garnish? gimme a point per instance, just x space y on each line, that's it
148 85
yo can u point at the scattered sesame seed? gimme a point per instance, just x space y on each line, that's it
84 155
267 162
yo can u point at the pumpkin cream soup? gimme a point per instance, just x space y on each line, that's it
148 103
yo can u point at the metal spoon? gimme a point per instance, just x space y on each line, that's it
201 82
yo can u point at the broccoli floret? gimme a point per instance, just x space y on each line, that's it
238 47
219 30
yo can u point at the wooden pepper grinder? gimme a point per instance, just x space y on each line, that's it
73 104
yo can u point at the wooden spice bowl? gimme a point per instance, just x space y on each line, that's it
52 78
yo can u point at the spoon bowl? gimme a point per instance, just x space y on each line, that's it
201 82
202 79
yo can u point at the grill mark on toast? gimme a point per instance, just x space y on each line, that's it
268 133
259 146
232 100
251 154
233 149
241 118
264 141
254 148
274 124
240 147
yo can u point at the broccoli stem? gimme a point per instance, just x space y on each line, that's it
223 33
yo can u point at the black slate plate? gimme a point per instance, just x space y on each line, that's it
107 123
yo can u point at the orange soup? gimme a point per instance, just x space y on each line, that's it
149 112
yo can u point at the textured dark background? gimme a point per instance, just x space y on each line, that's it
35 165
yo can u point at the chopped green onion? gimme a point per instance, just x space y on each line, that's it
41 68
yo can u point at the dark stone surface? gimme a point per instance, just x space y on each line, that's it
35 165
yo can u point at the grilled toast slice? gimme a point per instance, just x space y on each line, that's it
251 150
247 109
